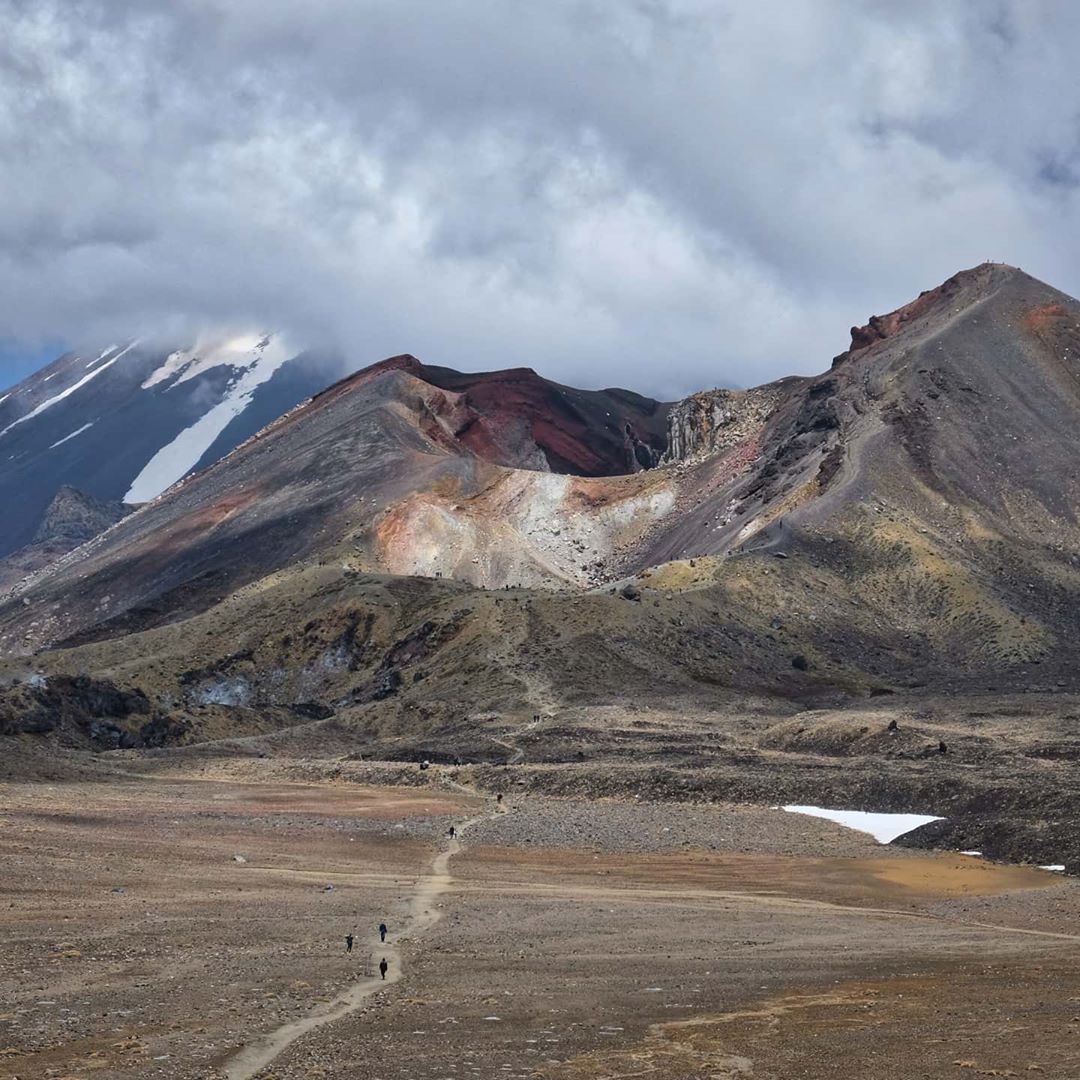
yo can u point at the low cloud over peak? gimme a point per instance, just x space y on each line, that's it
665 194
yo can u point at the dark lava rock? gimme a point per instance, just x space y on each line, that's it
1038 841
312 710
109 717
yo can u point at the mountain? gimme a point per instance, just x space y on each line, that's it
124 422
131 420
416 562
363 472
922 488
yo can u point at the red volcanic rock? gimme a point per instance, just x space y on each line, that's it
881 327
519 419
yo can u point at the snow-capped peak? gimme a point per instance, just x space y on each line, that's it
48 403
86 421
242 352
254 358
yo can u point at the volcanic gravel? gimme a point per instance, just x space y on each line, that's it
640 826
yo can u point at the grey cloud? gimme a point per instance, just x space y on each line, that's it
664 194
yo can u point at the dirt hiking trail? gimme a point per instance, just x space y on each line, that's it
251 1059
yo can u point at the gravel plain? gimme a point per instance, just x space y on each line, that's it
152 928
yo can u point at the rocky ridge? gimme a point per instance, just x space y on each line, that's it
715 420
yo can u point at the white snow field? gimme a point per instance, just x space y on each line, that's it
254 358
884 828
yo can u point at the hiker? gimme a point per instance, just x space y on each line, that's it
348 942
453 832
382 931
893 726
942 748
383 966
498 798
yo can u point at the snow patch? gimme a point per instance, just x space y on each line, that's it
4 398
178 457
101 356
243 352
77 431
884 828
50 402
1058 868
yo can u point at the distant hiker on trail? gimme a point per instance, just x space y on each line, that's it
498 798
452 833
348 942
942 748
382 931
383 966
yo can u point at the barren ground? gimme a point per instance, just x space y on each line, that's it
563 939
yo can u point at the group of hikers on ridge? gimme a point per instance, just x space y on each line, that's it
383 965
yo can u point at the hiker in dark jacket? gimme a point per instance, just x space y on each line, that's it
382 931
383 965
348 942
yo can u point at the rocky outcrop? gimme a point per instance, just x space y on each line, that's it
640 453
713 420
96 709
70 520
73 517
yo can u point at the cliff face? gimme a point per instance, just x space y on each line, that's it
712 420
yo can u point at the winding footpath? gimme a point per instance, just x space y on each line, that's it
251 1059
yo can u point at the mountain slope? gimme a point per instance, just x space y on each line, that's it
920 494
126 422
578 432
122 423
350 476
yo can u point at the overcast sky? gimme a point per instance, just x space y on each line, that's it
664 194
